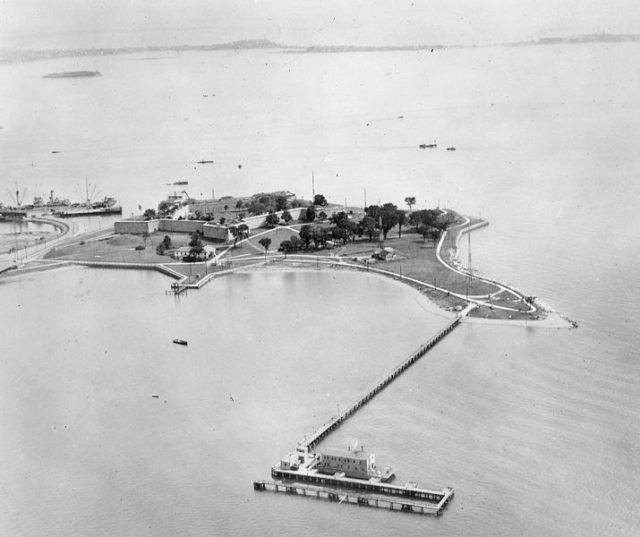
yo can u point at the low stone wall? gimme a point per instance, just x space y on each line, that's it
217 232
181 226
135 227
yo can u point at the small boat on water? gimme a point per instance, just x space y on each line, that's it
155 395
451 148
181 183
180 342
205 162
425 146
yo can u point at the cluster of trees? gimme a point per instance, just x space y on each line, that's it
267 203
164 245
195 247
341 230
311 214
273 219
430 223
239 232
377 222
381 219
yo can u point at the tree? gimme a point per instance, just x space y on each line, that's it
310 214
265 242
145 236
234 232
281 203
222 220
286 216
340 219
434 235
319 199
149 214
272 220
305 235
164 206
423 229
195 240
243 230
318 236
428 217
196 247
239 204
285 246
256 207
410 201
388 218
296 242
368 226
164 245
402 220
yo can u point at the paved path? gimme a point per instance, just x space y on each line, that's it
464 227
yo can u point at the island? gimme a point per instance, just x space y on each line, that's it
195 240
73 74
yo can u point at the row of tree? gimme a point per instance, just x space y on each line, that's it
377 222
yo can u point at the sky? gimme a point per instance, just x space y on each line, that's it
41 24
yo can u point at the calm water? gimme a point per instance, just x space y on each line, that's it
536 430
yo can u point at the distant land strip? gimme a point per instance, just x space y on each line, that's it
15 55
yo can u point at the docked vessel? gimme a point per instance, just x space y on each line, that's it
104 207
10 214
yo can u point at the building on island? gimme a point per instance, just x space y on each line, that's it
185 251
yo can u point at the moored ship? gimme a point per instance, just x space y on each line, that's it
105 207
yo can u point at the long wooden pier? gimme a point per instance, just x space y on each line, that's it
357 498
308 443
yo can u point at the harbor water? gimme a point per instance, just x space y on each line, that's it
535 429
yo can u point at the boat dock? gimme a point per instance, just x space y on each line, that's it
308 443
393 503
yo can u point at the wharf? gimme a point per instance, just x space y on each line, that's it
362 498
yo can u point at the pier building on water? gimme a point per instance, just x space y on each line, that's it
334 475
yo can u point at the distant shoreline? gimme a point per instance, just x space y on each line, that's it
8 56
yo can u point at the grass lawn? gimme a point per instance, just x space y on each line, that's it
119 248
